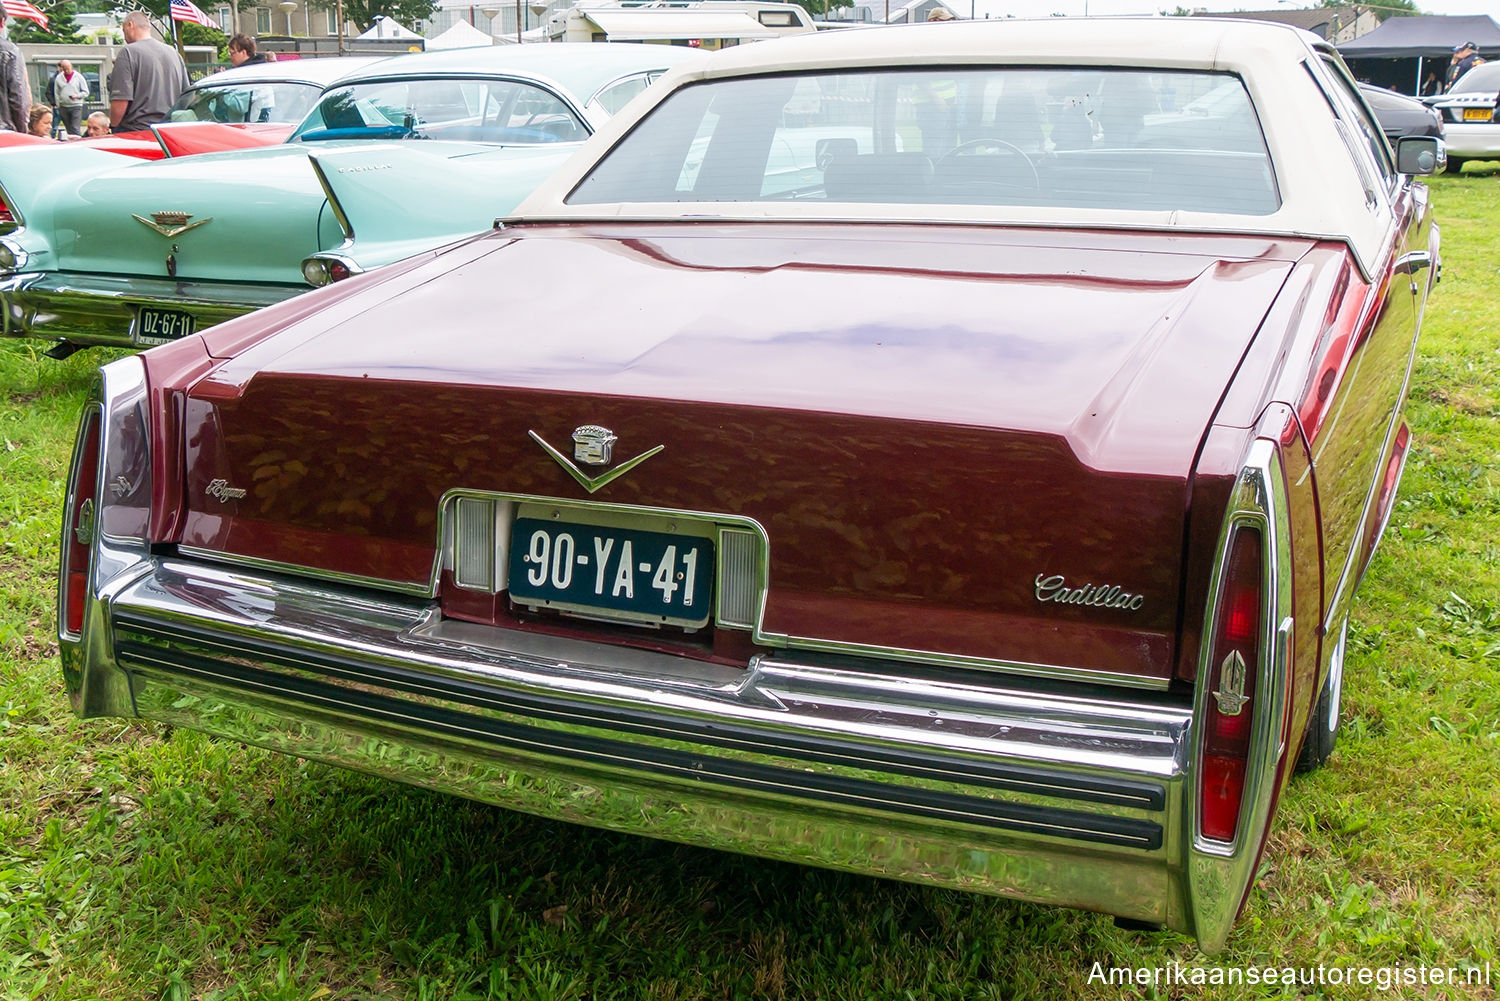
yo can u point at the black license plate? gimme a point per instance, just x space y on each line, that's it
161 326
610 572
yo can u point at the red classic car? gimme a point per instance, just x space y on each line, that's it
929 452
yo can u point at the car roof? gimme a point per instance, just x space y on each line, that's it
579 68
318 72
1322 188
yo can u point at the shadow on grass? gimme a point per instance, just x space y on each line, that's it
392 883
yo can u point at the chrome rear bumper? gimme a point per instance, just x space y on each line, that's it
89 309
1059 794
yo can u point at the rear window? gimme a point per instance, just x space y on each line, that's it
1485 77
1114 138
464 110
252 102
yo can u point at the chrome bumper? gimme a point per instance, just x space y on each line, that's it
1059 794
88 309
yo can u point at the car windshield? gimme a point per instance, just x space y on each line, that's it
1105 138
1484 78
469 110
249 102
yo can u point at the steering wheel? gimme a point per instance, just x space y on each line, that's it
1000 144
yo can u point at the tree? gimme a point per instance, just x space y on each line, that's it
61 28
364 12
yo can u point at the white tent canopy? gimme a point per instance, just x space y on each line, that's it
648 24
462 35
384 27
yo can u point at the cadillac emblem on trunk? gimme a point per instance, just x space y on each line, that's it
171 224
593 445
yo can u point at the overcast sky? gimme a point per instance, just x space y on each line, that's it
1041 8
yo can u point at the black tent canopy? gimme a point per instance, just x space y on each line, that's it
1425 37
1406 52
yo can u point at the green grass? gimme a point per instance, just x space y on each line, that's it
138 862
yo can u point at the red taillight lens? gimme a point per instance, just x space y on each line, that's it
338 271
80 522
1231 701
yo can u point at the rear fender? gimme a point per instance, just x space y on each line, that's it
369 191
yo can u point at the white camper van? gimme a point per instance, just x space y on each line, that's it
708 24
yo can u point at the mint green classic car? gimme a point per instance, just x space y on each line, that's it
403 156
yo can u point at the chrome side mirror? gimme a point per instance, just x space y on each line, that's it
1420 155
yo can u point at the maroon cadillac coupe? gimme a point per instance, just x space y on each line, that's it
945 452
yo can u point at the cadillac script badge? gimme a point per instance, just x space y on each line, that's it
171 224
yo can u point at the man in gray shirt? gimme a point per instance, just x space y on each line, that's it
15 91
147 78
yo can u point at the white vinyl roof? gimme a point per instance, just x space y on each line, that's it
1322 192
652 24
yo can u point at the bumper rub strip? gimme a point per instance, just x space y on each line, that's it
585 749
926 764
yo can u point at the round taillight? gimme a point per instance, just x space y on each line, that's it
315 272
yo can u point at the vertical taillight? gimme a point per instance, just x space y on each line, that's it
1236 654
107 513
80 521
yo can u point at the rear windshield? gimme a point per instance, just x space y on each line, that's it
1480 78
477 110
251 102
1113 138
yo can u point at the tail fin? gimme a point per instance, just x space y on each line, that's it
189 138
400 198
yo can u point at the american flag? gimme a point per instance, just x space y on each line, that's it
182 10
22 9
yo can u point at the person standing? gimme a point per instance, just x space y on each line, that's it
242 51
1465 58
68 91
147 78
15 89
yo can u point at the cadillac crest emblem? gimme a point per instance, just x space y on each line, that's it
593 445
171 224
1231 695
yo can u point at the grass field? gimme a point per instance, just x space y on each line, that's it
138 862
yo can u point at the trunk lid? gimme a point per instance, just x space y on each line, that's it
945 434
244 216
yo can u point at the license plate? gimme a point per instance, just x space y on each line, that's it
161 326
611 572
1477 114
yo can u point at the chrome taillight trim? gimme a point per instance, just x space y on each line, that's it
93 414
1219 872
116 559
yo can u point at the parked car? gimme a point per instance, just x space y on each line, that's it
960 515
1469 119
279 93
1399 115
405 155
